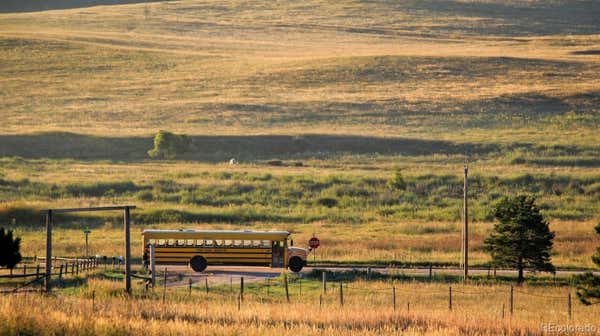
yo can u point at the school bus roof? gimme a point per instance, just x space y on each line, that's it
215 234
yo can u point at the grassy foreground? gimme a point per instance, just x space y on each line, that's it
367 310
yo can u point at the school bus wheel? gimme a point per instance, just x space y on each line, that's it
296 264
198 263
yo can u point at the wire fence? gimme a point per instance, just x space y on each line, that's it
501 300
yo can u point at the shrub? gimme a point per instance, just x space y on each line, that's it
328 202
145 196
168 145
9 249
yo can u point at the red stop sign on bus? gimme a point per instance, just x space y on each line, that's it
314 242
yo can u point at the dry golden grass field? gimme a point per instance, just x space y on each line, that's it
362 93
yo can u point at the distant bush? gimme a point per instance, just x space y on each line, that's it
145 196
328 202
99 189
168 145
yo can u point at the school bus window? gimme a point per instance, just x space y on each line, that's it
161 242
237 243
180 242
200 242
228 242
151 241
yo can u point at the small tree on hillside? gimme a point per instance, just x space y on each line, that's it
397 181
9 249
588 289
168 145
521 238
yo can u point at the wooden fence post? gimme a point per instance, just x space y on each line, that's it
394 297
408 306
93 300
48 249
569 306
60 272
152 266
341 295
126 227
450 298
206 284
242 289
430 272
268 286
324 279
165 287
37 269
287 293
24 269
320 301
510 303
190 286
300 285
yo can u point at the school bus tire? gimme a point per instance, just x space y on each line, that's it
296 264
198 263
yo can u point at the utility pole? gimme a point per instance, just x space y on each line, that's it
466 225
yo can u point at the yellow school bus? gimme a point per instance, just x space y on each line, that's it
201 248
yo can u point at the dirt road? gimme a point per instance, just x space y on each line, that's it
179 275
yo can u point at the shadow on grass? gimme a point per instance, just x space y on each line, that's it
253 148
519 18
586 52
20 6
59 145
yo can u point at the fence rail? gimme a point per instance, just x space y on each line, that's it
67 266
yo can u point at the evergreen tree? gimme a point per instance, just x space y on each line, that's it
588 289
9 249
521 237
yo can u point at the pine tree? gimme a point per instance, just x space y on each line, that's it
521 237
9 249
588 289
